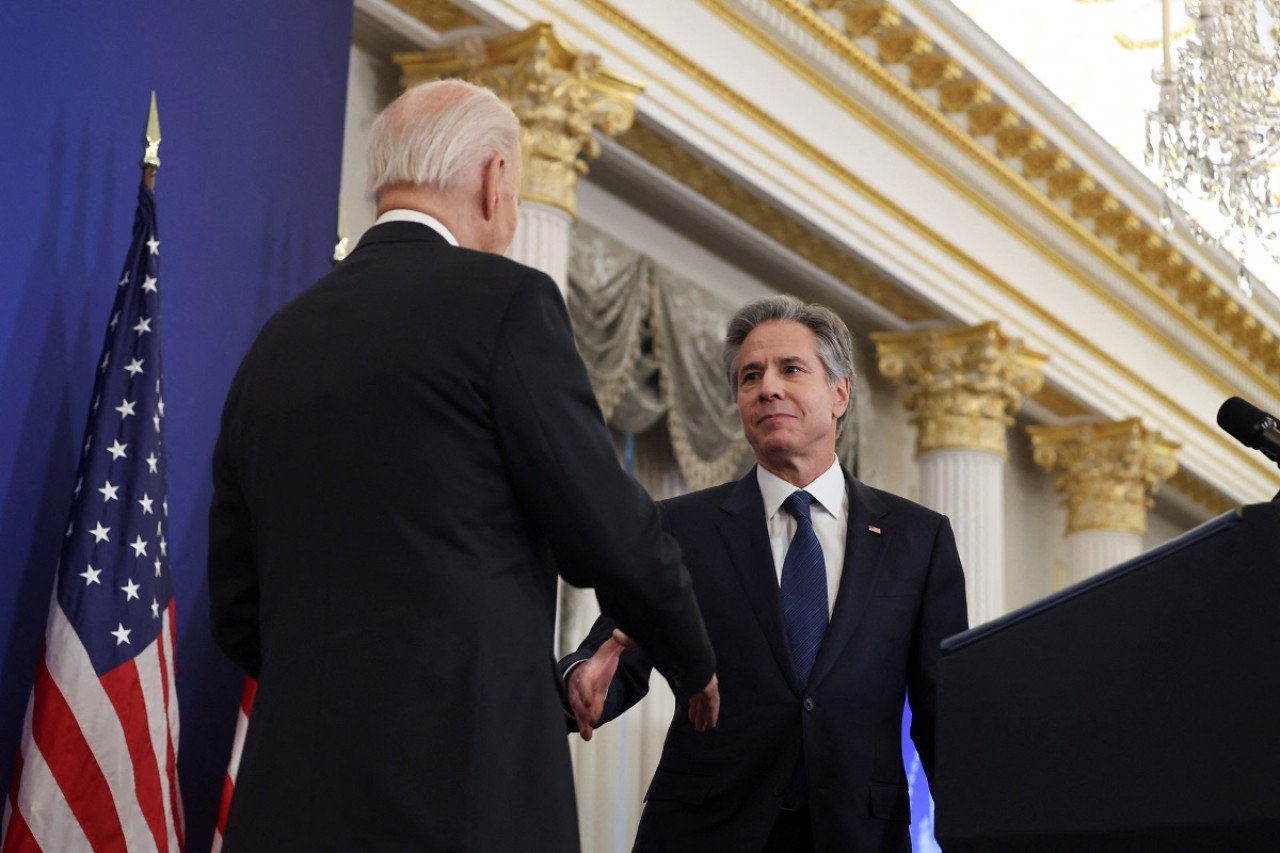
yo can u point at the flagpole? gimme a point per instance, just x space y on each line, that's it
97 766
151 156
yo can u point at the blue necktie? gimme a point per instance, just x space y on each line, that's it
804 588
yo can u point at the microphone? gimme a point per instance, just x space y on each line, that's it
1251 426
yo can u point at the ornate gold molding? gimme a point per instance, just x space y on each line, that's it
1199 492
963 385
561 96
971 108
1110 471
718 188
440 15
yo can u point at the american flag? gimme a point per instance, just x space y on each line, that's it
233 766
96 770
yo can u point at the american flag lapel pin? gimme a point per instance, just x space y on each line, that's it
873 529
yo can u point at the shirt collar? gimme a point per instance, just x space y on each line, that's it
827 490
402 215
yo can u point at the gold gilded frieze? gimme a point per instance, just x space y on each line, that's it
440 15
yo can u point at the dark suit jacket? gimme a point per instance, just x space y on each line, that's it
901 593
404 449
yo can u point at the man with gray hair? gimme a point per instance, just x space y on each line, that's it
826 601
410 452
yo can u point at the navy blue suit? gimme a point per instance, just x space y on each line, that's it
900 594
409 453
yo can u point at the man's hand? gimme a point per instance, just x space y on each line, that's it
704 707
589 682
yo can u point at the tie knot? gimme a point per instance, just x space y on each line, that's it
798 503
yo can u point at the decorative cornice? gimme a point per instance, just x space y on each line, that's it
561 96
1199 492
963 385
440 15
1110 471
717 187
972 110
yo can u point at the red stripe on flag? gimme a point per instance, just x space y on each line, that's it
58 736
171 754
124 689
246 698
17 835
233 766
228 785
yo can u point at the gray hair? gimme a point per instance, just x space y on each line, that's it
436 133
834 342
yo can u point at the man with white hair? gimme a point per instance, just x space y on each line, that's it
409 454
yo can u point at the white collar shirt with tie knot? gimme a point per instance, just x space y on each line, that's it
829 513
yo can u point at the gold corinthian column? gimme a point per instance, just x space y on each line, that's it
1109 474
962 388
563 98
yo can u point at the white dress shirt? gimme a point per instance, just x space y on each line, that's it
829 513
402 215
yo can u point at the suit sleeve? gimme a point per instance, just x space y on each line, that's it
630 682
604 530
943 612
232 570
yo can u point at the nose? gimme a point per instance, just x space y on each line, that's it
770 385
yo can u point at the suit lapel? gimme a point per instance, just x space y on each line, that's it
864 551
746 537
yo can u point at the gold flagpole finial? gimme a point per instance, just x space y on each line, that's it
151 157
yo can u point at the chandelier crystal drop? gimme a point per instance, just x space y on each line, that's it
1215 133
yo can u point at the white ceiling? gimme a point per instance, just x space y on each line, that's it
1096 55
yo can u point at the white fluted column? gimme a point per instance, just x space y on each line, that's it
542 241
962 387
1108 476
1092 551
968 487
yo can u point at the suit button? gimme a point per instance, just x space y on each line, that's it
807 704
778 791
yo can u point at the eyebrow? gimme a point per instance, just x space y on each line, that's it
785 361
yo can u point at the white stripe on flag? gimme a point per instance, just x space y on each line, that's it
74 674
157 726
42 804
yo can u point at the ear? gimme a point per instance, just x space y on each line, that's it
840 402
490 182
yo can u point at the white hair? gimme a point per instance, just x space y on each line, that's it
436 133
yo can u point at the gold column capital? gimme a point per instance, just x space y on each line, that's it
963 384
561 96
1109 471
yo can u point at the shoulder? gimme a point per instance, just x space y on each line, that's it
701 501
883 502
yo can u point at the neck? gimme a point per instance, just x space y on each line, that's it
442 206
798 472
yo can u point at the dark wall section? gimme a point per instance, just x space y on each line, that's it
250 95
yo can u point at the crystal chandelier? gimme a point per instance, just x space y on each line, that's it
1216 131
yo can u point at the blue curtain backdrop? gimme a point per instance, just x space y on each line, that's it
250 95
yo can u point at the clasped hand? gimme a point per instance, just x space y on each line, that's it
589 682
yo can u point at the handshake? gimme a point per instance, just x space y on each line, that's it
588 683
